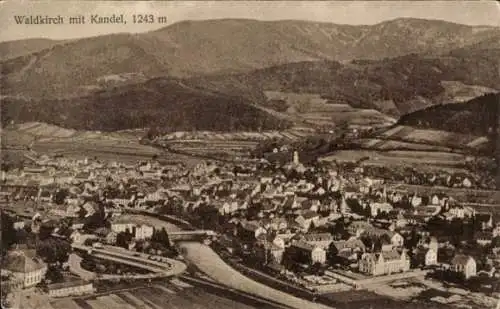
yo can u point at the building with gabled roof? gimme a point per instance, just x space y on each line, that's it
464 264
27 269
384 263
70 288
250 230
306 219
304 252
322 240
347 251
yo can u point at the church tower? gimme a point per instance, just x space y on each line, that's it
296 157
343 205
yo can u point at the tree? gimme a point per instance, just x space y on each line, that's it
495 243
89 242
340 229
152 133
65 227
357 208
208 217
54 274
140 245
124 238
368 242
413 240
287 259
332 254
161 237
8 233
60 196
45 231
96 220
54 251
317 269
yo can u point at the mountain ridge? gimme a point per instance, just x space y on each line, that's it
396 86
165 102
193 48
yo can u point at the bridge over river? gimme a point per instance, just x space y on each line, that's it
211 264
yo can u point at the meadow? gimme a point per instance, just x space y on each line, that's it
430 137
315 110
173 294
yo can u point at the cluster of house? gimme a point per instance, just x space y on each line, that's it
299 246
414 176
138 232
58 187
275 241
279 213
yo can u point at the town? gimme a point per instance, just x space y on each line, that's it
310 229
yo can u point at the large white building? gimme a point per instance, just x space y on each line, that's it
464 264
27 270
140 231
384 263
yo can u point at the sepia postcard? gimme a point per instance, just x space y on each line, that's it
250 154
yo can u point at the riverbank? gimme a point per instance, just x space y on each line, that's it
213 266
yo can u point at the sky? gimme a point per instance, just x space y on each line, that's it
340 12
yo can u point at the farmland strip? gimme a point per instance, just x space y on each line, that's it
139 302
122 303
164 288
65 304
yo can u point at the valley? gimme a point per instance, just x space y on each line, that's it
315 164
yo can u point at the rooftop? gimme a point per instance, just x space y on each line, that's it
461 259
22 261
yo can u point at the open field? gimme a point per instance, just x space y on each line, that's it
381 144
362 299
168 295
225 145
241 136
15 139
121 146
315 110
427 159
125 145
41 130
107 150
433 137
213 147
458 92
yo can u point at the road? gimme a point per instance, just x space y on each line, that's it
169 268
211 264
76 268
